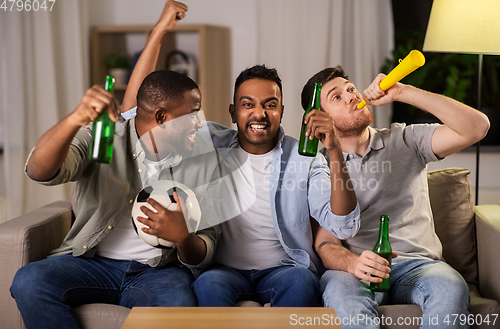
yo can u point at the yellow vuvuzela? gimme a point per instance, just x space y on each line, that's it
412 61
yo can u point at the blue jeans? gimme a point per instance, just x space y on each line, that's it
47 290
280 286
433 285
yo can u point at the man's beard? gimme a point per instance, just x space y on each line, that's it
352 128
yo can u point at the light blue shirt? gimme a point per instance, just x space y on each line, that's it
300 188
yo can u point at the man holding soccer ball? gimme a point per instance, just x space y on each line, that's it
102 259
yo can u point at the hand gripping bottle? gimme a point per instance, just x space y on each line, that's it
307 146
101 147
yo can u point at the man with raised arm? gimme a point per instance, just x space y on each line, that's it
387 169
102 259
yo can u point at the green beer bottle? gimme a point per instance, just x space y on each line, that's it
101 147
307 146
383 248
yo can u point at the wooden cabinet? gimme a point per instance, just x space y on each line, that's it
208 45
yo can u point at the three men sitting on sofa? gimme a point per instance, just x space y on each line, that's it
280 217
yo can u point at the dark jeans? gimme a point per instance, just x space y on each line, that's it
280 286
47 290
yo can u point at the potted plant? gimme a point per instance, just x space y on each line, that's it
118 64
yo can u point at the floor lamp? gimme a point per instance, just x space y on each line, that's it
465 26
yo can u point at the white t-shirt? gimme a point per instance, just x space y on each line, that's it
122 242
249 241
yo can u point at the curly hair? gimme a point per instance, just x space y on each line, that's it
161 85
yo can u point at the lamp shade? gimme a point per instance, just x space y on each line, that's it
464 26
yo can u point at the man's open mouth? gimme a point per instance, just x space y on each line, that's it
192 136
258 127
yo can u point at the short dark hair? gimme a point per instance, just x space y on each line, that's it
322 77
257 72
161 85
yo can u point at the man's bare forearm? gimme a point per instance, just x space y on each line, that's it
462 124
367 266
145 65
343 197
456 115
173 12
193 251
336 257
51 150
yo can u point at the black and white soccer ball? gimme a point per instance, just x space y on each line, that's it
163 192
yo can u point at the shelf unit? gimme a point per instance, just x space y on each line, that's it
212 46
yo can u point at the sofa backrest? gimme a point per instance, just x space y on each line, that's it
450 196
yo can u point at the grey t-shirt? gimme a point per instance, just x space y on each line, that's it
391 179
250 241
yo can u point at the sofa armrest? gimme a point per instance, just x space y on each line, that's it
488 249
28 238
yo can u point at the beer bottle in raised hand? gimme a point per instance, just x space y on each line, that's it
383 248
307 146
101 147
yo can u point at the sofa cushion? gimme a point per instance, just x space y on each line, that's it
449 191
96 316
483 306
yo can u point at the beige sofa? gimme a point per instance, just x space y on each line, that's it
470 237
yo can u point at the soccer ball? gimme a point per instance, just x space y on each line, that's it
163 192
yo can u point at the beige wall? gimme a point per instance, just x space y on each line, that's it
239 16
2 190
